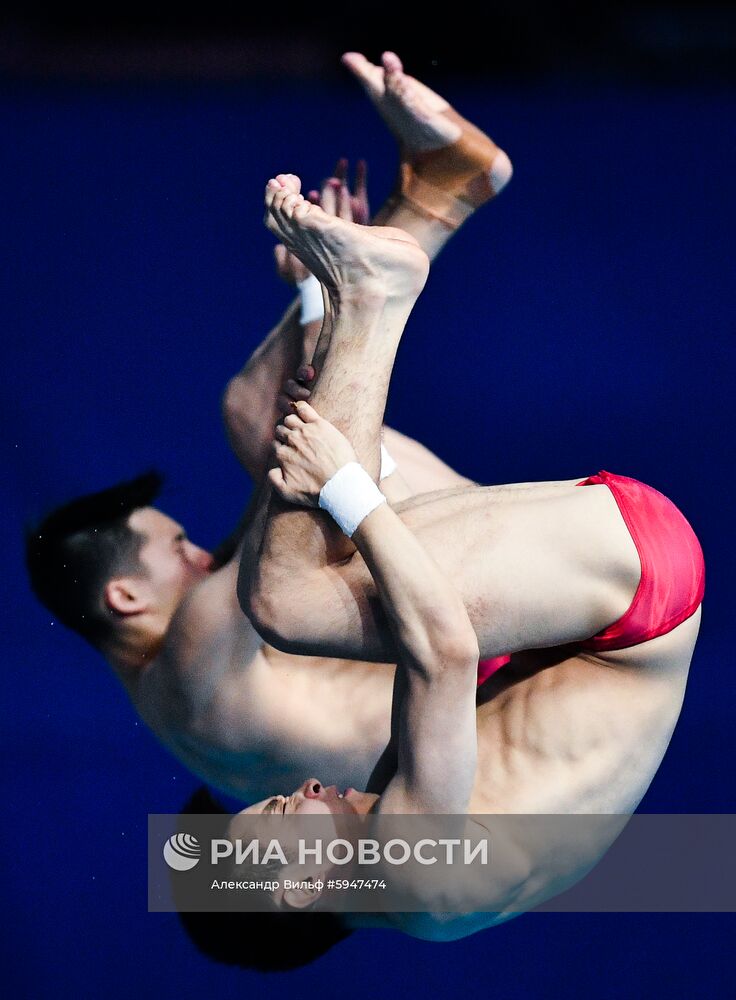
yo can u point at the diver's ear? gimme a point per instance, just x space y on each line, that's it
302 897
127 595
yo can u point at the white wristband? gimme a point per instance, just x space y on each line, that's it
350 496
310 294
388 466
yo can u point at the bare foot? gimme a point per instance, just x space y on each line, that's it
378 260
336 197
448 166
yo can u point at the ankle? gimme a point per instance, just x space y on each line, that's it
365 298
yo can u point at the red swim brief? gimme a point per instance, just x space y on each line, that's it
672 569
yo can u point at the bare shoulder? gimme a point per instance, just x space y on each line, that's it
211 603
209 625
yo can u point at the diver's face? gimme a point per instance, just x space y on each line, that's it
172 563
313 798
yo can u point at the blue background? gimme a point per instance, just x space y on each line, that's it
584 320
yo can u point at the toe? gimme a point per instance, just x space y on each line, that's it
271 188
369 75
277 202
391 62
302 209
290 182
358 64
290 203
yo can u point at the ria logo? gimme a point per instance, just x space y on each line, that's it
182 852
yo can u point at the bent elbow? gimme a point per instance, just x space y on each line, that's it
460 649
455 638
447 647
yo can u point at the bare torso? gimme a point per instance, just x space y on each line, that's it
584 734
559 734
275 717
558 730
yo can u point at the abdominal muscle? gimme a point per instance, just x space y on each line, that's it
581 733
566 734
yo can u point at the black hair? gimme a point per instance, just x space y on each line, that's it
264 941
78 547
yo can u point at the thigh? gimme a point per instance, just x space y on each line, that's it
537 565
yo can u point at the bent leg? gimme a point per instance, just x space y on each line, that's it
536 565
459 169
448 167
372 277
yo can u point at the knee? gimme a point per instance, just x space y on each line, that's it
255 602
265 603
237 407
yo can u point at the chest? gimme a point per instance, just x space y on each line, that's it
338 705
290 718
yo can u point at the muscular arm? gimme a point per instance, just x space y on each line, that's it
436 645
435 735
251 410
250 402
